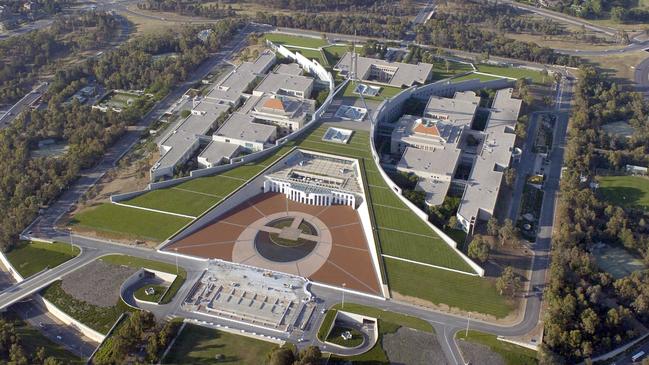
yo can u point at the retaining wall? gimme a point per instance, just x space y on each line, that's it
11 268
70 321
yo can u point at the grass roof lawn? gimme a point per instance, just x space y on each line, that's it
466 292
311 54
393 317
31 340
516 73
335 53
141 294
138 263
214 185
291 40
431 250
386 92
131 223
101 319
29 258
511 354
625 191
473 76
200 345
440 72
175 201
376 355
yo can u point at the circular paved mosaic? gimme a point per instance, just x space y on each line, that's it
295 239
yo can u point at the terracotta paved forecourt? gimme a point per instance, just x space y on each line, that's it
337 253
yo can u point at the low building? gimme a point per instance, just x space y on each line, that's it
244 130
217 153
495 155
459 110
317 179
285 84
429 149
289 69
186 137
234 85
377 71
288 113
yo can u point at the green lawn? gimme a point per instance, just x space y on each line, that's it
129 222
138 263
98 318
214 185
335 53
155 298
475 76
175 201
31 340
516 73
200 345
330 315
29 258
625 191
392 317
386 92
376 356
468 293
335 336
311 54
512 354
431 250
454 68
290 40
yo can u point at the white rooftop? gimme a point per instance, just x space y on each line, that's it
483 185
275 83
458 111
243 127
400 74
216 151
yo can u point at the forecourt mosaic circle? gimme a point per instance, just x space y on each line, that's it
285 239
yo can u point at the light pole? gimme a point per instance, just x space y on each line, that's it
71 244
343 302
466 333
176 255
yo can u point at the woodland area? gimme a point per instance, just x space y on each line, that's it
25 56
617 10
588 311
209 9
28 183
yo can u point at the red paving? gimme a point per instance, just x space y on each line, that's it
349 262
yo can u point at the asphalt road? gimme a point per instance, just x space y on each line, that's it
22 105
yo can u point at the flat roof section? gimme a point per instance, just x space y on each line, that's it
403 74
274 83
243 127
483 185
458 111
183 138
216 151
289 69
441 161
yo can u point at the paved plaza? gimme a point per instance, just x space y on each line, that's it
321 243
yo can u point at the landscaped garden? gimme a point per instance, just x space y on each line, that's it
200 345
511 354
29 258
625 191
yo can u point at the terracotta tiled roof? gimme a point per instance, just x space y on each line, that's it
430 129
274 104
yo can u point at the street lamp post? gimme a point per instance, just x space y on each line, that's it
71 244
466 333
343 302
176 255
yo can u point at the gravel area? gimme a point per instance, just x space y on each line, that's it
97 283
408 346
475 353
